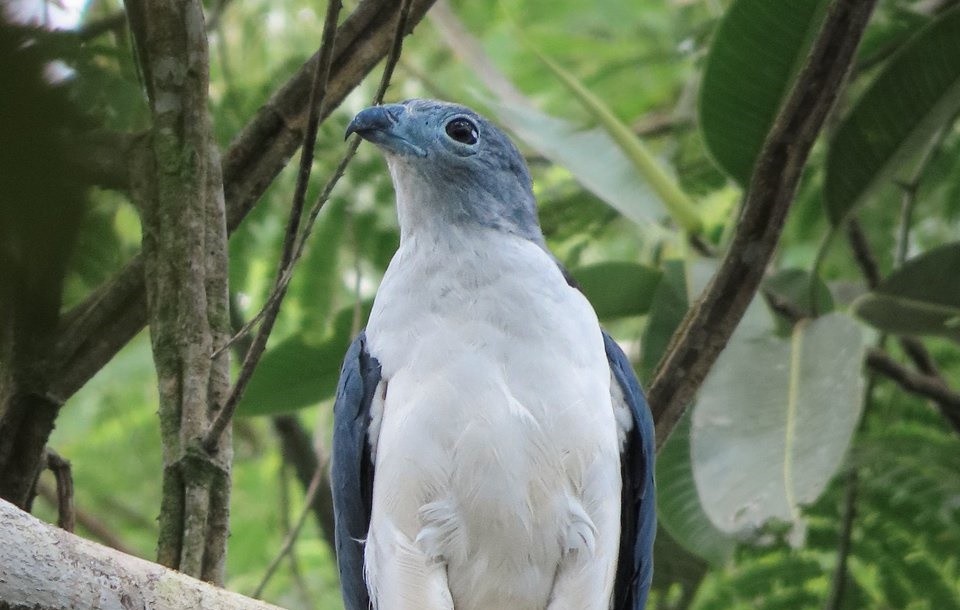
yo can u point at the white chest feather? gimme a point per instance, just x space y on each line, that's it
497 465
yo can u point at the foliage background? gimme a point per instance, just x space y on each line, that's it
646 61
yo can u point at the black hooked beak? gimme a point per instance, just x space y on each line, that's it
382 126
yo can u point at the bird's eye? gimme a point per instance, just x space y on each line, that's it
463 131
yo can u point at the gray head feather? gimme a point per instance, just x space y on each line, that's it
452 165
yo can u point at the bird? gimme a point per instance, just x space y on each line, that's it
492 447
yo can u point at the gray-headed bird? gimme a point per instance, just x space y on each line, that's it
492 447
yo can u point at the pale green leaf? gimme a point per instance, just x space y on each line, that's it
774 419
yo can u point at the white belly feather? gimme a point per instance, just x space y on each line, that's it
497 465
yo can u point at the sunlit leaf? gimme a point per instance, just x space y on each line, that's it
755 53
922 297
917 93
774 419
678 203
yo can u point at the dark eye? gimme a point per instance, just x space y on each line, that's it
462 130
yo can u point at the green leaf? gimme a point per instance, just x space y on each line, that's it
922 297
667 308
680 206
678 504
792 286
315 285
756 52
293 375
296 374
915 96
774 419
618 289
590 155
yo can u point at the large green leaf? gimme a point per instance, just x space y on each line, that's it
296 373
774 419
922 297
756 51
679 508
678 203
618 289
667 308
917 93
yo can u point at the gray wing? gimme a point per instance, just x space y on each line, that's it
352 468
638 520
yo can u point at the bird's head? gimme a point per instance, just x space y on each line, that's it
450 165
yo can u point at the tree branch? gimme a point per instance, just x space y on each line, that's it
318 91
63 474
46 568
923 385
97 328
180 192
709 324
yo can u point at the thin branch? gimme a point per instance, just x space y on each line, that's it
298 451
917 383
838 582
63 474
269 312
862 253
318 93
96 329
709 324
865 259
294 533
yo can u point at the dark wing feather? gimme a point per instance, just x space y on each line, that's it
352 468
638 520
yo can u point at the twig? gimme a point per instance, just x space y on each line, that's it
297 450
93 331
862 253
292 535
298 245
317 95
709 324
917 383
838 582
865 259
63 473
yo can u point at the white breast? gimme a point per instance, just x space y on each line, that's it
497 462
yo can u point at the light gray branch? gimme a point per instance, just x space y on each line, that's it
45 568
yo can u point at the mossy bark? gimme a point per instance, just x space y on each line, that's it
180 194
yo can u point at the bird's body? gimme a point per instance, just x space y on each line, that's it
497 468
491 447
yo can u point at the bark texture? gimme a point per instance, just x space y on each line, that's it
45 568
179 190
707 327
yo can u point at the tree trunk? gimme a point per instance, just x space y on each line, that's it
180 193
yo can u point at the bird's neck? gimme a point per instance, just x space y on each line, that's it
430 209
